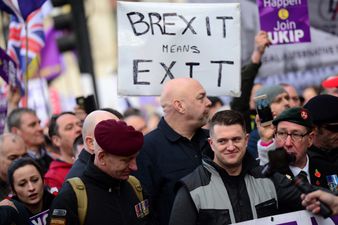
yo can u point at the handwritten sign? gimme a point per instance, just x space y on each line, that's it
295 218
162 41
286 21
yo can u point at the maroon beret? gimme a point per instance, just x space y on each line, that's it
117 138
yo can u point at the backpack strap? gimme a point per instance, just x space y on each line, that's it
81 195
135 183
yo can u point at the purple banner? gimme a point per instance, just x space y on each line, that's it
286 21
9 72
39 219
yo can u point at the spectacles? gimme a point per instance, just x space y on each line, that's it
295 137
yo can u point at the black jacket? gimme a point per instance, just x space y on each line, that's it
110 201
79 165
166 157
9 215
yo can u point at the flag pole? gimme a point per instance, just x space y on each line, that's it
25 99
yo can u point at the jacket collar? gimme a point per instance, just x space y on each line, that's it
100 178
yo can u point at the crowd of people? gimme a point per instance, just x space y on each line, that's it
203 163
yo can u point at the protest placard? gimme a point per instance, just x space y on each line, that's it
285 21
295 218
39 219
8 71
161 41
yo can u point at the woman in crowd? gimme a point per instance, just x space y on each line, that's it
26 180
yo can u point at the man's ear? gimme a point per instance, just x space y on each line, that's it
56 141
101 158
89 143
310 138
178 106
15 130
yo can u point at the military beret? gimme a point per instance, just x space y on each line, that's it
323 108
271 92
296 115
117 138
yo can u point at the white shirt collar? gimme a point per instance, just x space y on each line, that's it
296 170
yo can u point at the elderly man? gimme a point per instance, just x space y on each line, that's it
63 129
175 148
294 133
12 147
25 123
231 188
110 198
88 127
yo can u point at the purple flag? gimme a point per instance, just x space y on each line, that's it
51 64
286 22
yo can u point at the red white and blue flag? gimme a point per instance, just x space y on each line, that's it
22 41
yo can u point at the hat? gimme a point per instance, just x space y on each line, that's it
330 82
117 138
296 115
323 108
271 92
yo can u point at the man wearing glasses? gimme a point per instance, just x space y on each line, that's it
294 133
231 188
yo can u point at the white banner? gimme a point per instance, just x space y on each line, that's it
161 41
295 218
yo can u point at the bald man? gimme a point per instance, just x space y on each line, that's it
174 149
12 146
88 128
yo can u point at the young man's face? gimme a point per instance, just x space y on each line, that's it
229 146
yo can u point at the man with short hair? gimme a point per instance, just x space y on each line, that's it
175 148
89 125
231 188
278 100
12 147
25 123
110 197
293 95
63 129
294 133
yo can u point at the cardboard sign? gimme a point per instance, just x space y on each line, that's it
8 71
162 41
286 21
295 218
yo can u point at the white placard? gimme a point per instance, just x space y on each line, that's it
161 41
295 218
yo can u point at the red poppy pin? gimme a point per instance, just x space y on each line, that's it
304 114
317 173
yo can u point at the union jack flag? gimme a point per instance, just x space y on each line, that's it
21 8
19 37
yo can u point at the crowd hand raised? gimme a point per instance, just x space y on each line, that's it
266 133
261 43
